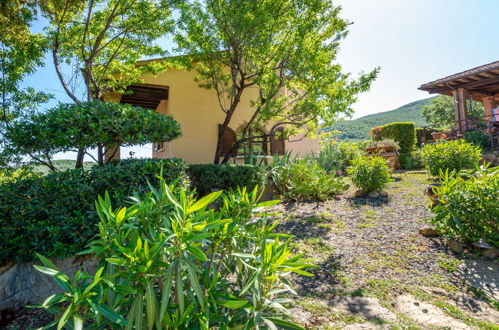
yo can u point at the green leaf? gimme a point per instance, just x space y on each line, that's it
205 201
195 284
111 315
232 302
65 317
150 306
197 253
284 324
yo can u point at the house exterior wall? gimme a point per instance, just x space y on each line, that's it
198 112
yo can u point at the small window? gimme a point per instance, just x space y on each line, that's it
158 146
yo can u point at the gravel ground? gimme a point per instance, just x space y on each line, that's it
372 248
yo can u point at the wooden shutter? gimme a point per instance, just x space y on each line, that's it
277 141
228 139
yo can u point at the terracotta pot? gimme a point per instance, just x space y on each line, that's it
379 149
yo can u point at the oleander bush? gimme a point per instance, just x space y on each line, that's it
170 261
304 179
403 133
369 173
207 178
468 208
477 138
450 156
335 156
55 215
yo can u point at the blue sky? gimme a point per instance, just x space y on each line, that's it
413 41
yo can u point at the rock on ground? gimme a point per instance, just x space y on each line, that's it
426 314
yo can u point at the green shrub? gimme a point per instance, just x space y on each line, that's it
411 161
468 208
337 156
206 178
305 179
419 135
449 155
170 261
403 133
369 173
55 215
477 138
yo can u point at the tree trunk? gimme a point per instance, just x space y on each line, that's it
79 158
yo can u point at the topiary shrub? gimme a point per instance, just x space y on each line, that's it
369 173
450 156
206 178
55 215
403 133
305 179
468 209
477 138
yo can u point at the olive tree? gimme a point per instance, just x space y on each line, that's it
284 49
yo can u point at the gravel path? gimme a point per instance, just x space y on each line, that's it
372 248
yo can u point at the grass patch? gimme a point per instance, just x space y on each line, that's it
456 313
450 265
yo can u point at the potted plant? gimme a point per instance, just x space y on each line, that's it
387 145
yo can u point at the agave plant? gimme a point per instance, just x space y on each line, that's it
171 261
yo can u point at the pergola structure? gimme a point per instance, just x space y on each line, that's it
479 84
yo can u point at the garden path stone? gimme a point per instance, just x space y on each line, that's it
368 308
482 275
428 231
427 314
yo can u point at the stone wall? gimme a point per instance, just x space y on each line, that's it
21 284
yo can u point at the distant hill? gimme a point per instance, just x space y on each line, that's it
358 129
62 165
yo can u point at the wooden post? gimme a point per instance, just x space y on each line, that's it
460 110
112 153
488 105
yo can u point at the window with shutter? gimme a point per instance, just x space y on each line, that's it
277 141
228 140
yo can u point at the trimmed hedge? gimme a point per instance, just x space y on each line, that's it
207 178
55 216
403 133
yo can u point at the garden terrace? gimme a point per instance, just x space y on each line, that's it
479 84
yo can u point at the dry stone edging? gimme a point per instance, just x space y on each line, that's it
21 284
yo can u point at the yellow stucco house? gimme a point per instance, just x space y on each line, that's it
174 92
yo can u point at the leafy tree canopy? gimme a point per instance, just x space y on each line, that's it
441 111
69 127
284 49
105 38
